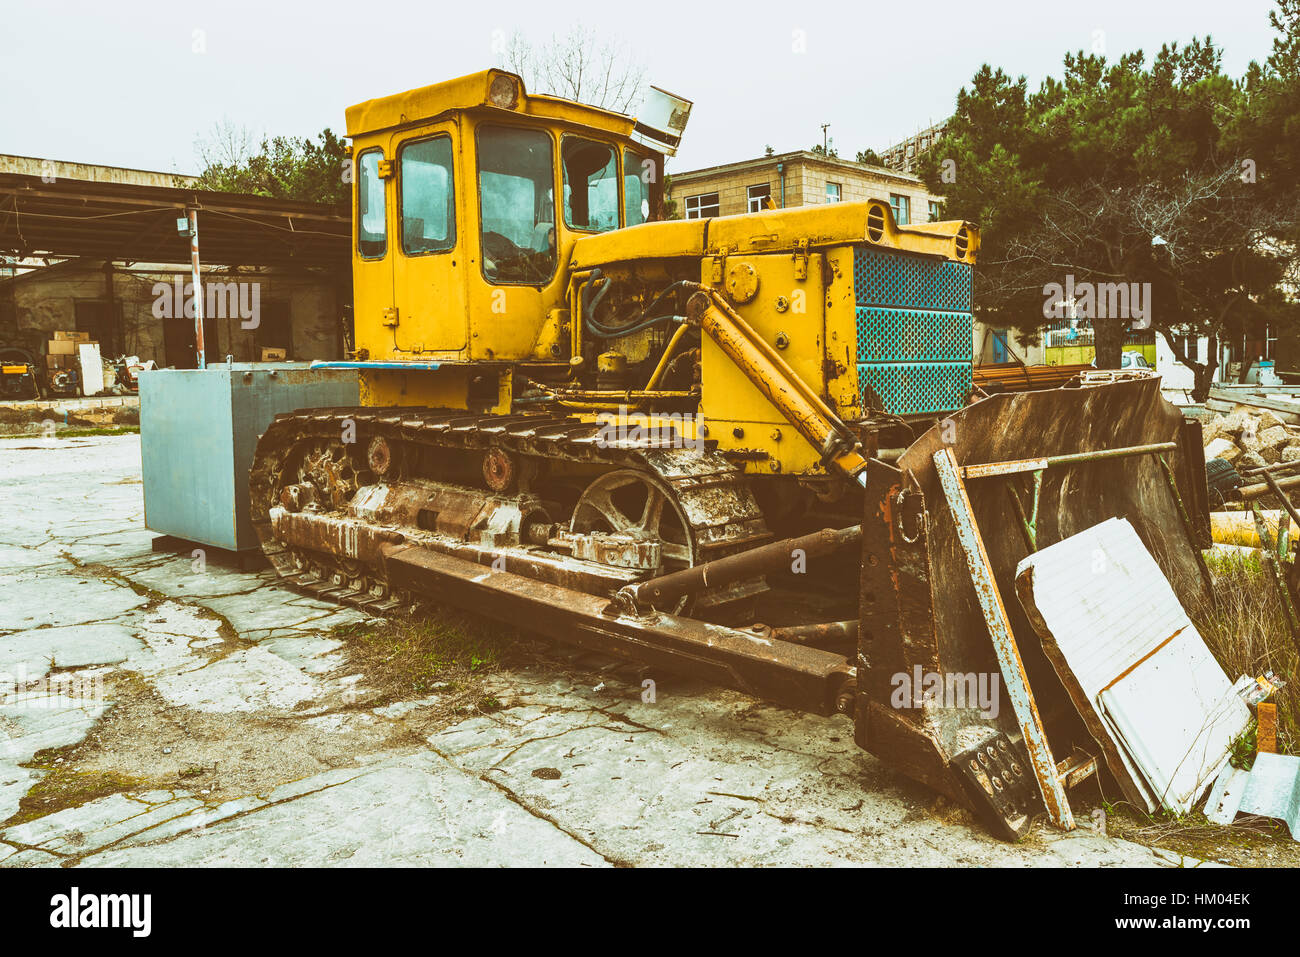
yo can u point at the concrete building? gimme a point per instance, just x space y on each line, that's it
133 310
903 155
106 251
51 170
801 178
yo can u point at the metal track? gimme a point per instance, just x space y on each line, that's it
713 495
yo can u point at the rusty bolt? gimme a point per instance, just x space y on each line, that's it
738 432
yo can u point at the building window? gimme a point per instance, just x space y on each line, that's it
758 197
936 211
902 209
834 193
702 206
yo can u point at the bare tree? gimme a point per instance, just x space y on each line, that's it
1205 244
578 66
226 144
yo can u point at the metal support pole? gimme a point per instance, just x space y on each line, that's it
1027 530
1004 642
1187 522
1073 458
1275 570
200 359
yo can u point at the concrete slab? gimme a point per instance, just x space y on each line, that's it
33 600
248 680
446 818
32 653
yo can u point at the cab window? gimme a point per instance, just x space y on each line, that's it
590 184
427 197
638 173
372 230
516 176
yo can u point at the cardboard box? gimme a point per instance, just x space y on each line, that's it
273 355
72 336
61 347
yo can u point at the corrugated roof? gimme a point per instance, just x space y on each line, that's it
133 223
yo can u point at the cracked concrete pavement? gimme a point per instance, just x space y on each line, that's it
209 719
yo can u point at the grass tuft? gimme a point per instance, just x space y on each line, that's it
1246 630
437 652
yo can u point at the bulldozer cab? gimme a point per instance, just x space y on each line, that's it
468 197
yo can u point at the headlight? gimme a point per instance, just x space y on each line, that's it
504 91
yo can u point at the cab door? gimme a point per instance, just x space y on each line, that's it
428 287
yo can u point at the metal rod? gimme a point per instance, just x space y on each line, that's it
1282 497
1248 492
1033 465
664 592
669 349
825 632
200 356
1187 522
1025 528
1004 642
1038 494
1271 561
1277 468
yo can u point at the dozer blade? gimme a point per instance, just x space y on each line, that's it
931 697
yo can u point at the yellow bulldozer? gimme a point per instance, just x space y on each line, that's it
746 448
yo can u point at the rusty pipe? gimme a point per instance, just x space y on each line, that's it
821 633
666 590
1249 492
781 385
669 349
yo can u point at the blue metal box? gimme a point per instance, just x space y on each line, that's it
198 430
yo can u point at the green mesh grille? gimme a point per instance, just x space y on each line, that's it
894 335
914 331
910 281
915 388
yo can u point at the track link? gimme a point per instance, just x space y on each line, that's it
714 496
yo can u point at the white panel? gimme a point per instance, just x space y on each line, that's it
1138 658
1178 716
92 368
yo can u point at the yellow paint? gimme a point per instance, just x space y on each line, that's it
731 402
1238 528
837 224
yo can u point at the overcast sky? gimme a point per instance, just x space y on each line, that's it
121 83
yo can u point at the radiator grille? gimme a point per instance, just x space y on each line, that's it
914 331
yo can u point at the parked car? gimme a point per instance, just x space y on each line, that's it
1130 360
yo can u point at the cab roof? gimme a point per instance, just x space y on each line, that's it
488 89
